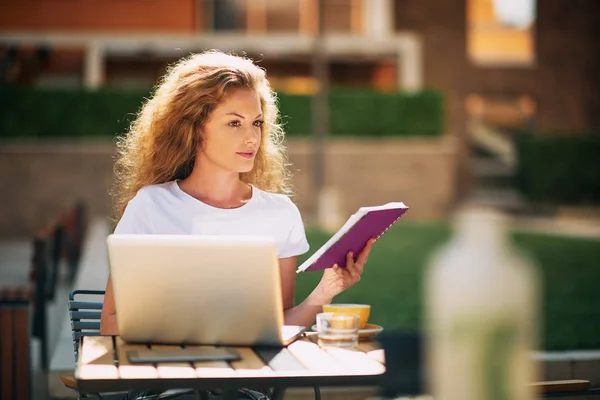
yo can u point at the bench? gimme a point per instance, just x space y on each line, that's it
15 367
23 316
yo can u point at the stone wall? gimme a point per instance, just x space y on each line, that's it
419 173
40 180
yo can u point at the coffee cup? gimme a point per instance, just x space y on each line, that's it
362 310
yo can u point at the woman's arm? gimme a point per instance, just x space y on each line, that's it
304 313
108 318
135 220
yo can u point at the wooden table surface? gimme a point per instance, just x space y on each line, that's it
103 366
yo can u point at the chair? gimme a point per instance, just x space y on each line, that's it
38 275
75 225
56 250
84 316
49 247
566 388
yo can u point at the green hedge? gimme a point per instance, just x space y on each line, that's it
561 169
28 112
366 113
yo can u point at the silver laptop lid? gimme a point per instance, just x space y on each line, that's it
219 290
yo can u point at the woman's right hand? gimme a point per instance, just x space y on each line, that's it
337 279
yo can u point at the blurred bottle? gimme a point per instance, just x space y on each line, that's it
481 299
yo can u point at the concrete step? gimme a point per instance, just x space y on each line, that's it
506 199
488 166
492 140
492 172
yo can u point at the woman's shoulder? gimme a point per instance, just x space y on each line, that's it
156 190
147 204
148 197
276 200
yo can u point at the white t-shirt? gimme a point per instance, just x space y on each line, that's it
166 209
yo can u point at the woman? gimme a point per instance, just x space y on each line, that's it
205 156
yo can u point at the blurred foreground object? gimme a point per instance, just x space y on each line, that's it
481 299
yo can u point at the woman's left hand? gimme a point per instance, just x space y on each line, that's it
337 279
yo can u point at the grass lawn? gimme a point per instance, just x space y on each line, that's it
392 281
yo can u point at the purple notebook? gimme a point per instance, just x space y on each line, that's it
366 223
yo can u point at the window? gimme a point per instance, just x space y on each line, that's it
501 32
226 15
282 15
338 15
291 16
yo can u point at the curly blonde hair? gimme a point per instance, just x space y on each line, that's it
162 141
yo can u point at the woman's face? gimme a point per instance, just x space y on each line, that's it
232 134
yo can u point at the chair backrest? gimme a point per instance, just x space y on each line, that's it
38 277
56 232
75 225
84 315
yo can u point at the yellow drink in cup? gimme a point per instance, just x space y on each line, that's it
362 310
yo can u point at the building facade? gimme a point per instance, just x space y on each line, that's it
540 77
129 43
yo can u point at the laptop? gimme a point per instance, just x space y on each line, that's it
189 289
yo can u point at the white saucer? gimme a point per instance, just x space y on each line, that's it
368 332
